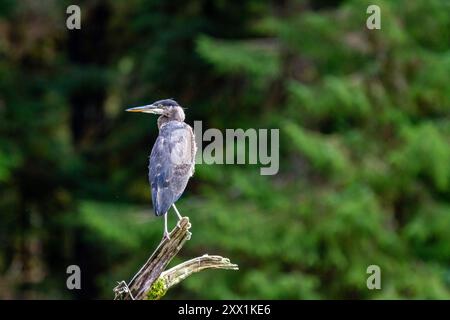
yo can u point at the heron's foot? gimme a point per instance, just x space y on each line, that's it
166 235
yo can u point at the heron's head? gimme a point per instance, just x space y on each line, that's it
168 110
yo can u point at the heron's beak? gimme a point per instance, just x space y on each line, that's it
147 109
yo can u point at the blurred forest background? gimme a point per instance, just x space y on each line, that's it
364 119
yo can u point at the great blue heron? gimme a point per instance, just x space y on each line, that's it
172 158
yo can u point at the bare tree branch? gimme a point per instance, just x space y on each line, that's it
152 282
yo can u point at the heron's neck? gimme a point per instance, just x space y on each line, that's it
175 114
162 120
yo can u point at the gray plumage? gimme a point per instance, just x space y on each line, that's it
171 164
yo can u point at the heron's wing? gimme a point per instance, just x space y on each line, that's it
159 176
171 164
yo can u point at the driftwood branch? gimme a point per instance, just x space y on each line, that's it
152 282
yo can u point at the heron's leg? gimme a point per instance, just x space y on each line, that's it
166 232
176 210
